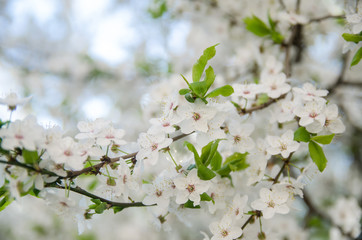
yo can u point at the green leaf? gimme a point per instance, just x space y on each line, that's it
192 149
184 91
209 77
206 197
157 8
262 99
189 98
30 157
225 91
199 88
86 236
100 208
117 209
190 204
272 23
277 37
199 66
216 161
205 173
317 155
235 162
324 139
357 57
96 201
256 26
301 135
356 38
209 151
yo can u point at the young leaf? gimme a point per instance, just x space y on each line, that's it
206 197
301 135
100 208
192 149
256 26
190 204
216 161
30 157
272 23
209 77
235 162
199 66
209 151
117 209
184 91
225 91
317 155
325 139
189 98
357 57
277 37
205 173
356 38
199 88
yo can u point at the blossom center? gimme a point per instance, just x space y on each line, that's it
166 125
154 146
110 136
224 233
158 193
19 137
68 153
196 116
237 139
283 147
313 115
271 204
246 92
190 188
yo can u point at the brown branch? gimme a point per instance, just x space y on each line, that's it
95 168
259 107
319 19
90 195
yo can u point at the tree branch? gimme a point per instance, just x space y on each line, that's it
90 195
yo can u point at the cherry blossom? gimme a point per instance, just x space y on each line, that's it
240 136
190 188
24 134
310 93
226 229
150 145
283 145
196 116
312 116
275 85
12 101
271 202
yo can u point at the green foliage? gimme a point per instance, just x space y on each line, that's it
262 99
199 89
209 156
317 155
259 28
5 198
235 162
98 206
190 204
200 65
206 197
30 157
86 236
157 8
117 209
324 139
301 135
356 38
357 57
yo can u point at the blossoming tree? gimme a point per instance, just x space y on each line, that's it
229 157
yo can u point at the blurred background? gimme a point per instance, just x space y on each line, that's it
83 59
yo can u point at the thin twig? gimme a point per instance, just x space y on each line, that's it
319 19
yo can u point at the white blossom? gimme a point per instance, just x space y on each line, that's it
196 116
226 229
150 145
12 101
271 202
190 188
283 145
